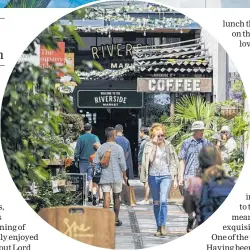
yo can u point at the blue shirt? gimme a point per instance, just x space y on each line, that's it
189 152
123 142
84 147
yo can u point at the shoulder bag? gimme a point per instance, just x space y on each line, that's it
104 163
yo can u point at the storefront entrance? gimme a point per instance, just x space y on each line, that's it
128 118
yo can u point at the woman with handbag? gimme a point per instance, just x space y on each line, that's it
159 168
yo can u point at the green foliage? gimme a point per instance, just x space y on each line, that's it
236 163
45 197
188 110
72 125
240 125
31 124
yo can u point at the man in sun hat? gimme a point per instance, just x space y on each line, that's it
188 155
228 144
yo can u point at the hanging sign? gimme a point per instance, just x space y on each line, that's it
109 99
174 85
69 59
50 57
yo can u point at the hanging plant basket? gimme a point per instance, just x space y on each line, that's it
229 112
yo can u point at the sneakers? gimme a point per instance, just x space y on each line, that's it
158 233
118 223
90 197
143 202
161 232
94 202
190 225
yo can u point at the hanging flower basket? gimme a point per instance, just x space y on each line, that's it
229 112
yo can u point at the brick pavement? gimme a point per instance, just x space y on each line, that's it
138 227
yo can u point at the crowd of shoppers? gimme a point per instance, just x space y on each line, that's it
199 169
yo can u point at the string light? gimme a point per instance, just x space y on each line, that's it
125 14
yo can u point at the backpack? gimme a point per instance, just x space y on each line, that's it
213 195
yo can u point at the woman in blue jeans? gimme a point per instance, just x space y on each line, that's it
159 168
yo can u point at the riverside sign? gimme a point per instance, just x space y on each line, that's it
109 99
174 85
118 56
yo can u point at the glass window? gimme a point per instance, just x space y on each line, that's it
104 41
166 40
88 43
140 40
153 40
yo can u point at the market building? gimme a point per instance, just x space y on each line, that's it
151 56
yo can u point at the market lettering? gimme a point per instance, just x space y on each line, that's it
120 65
110 99
203 85
1 55
113 50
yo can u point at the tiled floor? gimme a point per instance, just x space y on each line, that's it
137 231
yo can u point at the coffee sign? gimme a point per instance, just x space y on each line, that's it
174 85
109 99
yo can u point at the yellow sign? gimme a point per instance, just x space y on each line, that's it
70 61
76 231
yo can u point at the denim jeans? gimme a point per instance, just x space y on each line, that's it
159 188
85 168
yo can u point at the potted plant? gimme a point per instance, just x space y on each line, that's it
234 105
229 109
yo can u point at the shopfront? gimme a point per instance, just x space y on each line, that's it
142 78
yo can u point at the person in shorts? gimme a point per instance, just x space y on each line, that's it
96 176
114 174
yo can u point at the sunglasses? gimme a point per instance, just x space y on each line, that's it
223 132
161 136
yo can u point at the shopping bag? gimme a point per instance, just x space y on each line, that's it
93 226
128 195
175 194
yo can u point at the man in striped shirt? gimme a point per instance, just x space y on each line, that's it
112 177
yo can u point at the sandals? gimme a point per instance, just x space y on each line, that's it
118 223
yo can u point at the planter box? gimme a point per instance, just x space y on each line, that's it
93 226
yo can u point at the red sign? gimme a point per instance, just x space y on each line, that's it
50 57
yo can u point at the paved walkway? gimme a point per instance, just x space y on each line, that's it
138 227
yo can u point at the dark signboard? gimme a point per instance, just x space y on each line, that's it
77 184
109 99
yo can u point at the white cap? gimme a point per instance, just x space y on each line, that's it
198 125
225 129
